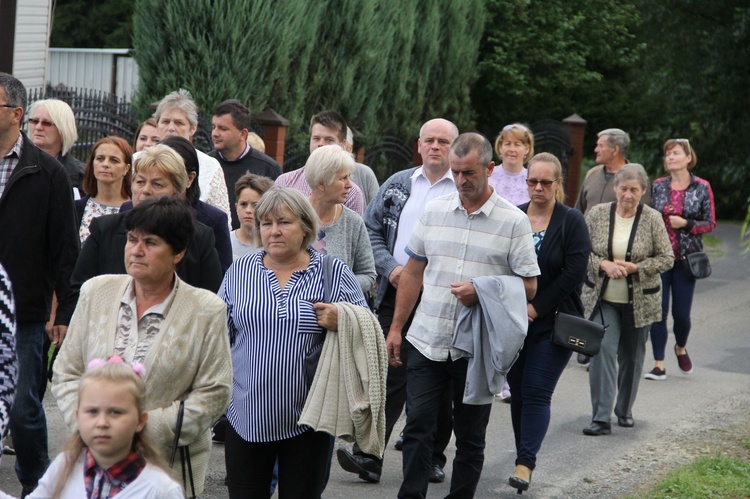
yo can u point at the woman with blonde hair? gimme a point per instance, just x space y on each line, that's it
562 243
111 452
52 128
514 146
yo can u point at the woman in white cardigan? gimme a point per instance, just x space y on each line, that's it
151 316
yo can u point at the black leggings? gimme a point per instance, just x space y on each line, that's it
302 465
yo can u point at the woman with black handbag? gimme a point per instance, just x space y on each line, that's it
629 249
686 203
562 246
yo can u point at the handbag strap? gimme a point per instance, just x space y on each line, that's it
596 286
327 278
185 458
177 431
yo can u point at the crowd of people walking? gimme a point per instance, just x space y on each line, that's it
174 297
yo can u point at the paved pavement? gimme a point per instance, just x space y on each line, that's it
571 464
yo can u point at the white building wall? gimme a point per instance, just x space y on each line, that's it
93 69
33 18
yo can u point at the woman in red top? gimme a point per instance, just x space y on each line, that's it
687 204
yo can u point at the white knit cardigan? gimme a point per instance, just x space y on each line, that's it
347 397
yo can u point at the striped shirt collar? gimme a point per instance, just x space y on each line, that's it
455 204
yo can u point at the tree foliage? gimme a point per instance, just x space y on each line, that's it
693 84
384 65
92 24
551 58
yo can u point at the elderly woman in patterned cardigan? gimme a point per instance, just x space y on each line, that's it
629 250
151 316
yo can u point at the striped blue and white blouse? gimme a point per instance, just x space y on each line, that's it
271 330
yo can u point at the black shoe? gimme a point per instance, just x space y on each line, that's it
399 444
25 491
583 359
597 428
625 421
437 475
366 468
518 483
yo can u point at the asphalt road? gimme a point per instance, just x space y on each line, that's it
571 464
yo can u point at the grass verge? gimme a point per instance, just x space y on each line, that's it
722 471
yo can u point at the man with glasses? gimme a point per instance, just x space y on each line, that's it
598 187
38 248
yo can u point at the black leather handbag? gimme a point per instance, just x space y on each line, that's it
697 265
579 334
576 333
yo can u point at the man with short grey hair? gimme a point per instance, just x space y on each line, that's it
611 151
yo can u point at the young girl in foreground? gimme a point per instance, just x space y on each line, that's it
111 454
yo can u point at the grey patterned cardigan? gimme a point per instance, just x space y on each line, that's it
648 247
381 220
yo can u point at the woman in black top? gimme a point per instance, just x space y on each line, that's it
562 246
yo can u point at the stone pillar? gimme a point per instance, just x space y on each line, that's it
577 128
274 130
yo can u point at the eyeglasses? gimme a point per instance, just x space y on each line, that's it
515 125
36 121
532 182
683 141
9 106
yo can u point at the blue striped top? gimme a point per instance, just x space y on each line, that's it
271 330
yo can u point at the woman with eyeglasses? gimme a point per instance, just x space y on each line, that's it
514 146
52 128
686 203
562 247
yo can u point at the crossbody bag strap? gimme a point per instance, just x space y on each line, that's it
177 431
327 278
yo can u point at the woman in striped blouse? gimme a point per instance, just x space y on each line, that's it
276 317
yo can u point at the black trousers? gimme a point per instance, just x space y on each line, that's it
424 394
302 465
395 395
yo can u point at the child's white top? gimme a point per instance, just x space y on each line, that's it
152 483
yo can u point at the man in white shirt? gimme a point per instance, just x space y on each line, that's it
390 218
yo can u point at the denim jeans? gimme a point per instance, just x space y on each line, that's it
675 282
532 381
426 383
28 424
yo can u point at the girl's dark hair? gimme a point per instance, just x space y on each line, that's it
168 218
185 149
